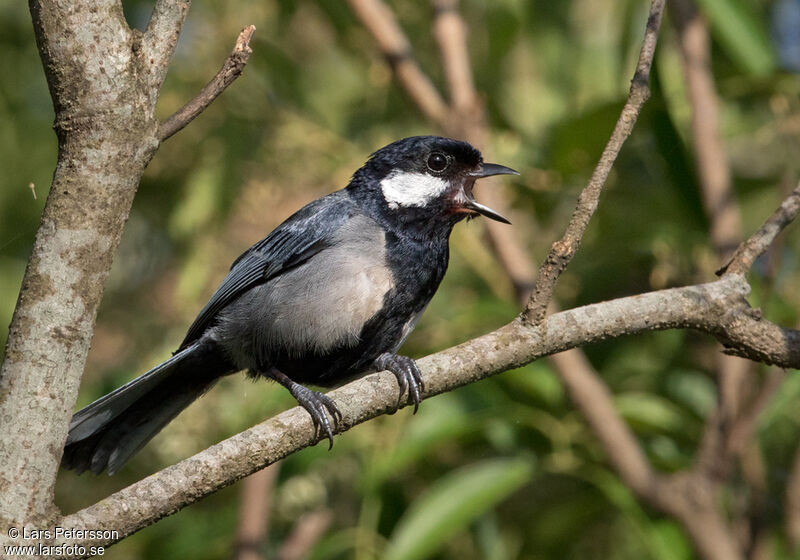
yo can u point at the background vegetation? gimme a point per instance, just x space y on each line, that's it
505 468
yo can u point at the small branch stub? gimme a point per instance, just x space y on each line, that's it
231 69
759 242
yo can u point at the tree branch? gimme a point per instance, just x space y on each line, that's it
231 69
378 19
161 38
717 308
593 398
759 242
719 203
563 250
104 82
719 200
451 36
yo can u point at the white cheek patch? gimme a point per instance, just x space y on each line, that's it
405 188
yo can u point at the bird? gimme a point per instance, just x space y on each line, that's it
329 295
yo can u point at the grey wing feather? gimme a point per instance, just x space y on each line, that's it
301 236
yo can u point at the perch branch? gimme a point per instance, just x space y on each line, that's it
716 308
231 69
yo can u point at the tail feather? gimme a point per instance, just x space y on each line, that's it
86 421
105 434
139 425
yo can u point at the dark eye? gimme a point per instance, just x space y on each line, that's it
437 162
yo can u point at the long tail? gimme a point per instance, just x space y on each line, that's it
105 434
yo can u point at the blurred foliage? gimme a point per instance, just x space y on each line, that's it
502 469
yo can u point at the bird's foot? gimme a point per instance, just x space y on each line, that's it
316 404
407 373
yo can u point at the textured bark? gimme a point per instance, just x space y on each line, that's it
106 136
104 80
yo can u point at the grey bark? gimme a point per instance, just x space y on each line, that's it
104 80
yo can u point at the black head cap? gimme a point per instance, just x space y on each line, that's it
410 154
425 179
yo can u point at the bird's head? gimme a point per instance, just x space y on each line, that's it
426 179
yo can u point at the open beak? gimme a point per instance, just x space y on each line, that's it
486 170
490 169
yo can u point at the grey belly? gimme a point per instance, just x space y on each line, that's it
318 307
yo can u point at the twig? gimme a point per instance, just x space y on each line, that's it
593 398
382 25
231 69
254 513
451 36
717 308
719 203
563 250
759 242
306 533
718 197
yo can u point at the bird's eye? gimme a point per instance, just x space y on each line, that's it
437 162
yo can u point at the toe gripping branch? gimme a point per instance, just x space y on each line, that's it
315 403
319 406
408 376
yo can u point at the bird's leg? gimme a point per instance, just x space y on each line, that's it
407 373
314 402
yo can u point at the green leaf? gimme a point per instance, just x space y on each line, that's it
741 34
650 411
452 503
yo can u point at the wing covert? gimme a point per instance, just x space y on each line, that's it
300 237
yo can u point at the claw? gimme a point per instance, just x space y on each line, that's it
408 376
316 404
